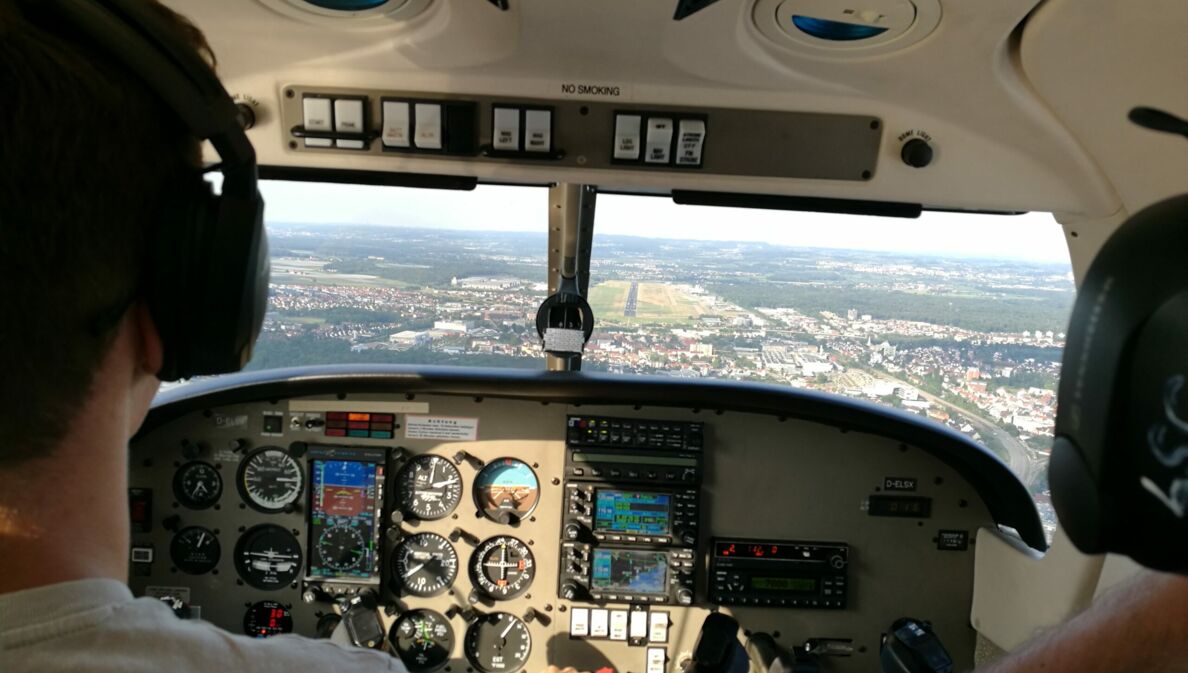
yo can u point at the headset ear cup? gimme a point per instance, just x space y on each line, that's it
1075 496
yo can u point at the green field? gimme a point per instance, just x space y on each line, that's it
656 303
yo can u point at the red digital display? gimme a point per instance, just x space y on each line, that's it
759 550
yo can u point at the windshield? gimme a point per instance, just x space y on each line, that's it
957 318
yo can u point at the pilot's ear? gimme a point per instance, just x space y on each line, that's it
150 350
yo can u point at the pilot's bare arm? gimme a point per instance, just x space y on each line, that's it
1141 625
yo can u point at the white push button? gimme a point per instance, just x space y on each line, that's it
505 129
396 124
627 137
655 660
579 622
538 130
317 117
639 624
658 627
690 138
428 126
599 623
618 625
348 118
659 141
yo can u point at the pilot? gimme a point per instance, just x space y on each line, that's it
85 153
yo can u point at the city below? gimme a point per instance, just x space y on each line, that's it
970 343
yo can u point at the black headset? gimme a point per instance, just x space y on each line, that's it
207 281
1119 466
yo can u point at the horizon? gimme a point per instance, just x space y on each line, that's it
1031 237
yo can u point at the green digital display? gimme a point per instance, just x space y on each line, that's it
796 584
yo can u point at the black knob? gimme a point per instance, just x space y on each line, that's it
573 531
246 115
570 591
687 536
916 153
837 562
684 597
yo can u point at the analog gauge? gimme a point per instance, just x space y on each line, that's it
498 643
341 547
502 567
267 618
423 639
424 564
197 485
268 557
195 550
270 480
506 490
429 487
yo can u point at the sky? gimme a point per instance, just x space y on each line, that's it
1033 237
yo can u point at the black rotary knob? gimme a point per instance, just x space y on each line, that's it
571 591
916 153
574 531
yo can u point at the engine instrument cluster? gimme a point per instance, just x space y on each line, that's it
594 536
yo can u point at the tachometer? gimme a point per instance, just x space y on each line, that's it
267 618
195 550
424 564
341 547
506 490
197 485
430 487
502 567
270 479
268 557
498 643
423 639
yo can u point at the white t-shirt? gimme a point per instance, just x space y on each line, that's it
97 626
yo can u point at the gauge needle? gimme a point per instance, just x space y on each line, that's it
507 630
201 539
413 570
447 482
288 480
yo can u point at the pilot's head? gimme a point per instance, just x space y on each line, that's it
86 153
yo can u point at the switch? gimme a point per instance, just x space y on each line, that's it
142 554
317 117
656 657
428 126
599 623
690 138
658 627
579 622
505 129
639 625
627 137
618 625
659 141
538 130
348 118
396 124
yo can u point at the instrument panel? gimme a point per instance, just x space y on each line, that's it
501 535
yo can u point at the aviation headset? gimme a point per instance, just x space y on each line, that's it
208 268
1119 466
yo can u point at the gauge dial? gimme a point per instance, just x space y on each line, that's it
498 643
268 557
341 547
195 550
197 485
506 490
270 480
267 618
423 639
430 487
502 567
424 564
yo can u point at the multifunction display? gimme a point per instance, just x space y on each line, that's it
346 497
631 572
771 573
633 512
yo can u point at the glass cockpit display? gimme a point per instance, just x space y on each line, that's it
346 497
506 490
632 572
632 512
